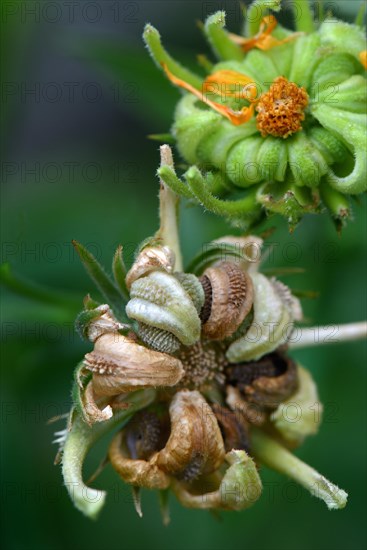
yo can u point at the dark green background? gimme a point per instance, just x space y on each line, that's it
41 216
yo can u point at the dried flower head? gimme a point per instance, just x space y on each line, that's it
197 418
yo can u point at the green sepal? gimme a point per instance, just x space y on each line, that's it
113 296
89 303
80 439
332 70
119 272
81 378
342 37
337 203
272 159
337 121
331 148
84 319
192 126
219 39
305 160
290 201
241 213
152 39
305 58
241 485
242 167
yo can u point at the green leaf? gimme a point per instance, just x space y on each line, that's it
102 281
36 292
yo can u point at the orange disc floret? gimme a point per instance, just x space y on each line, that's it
281 109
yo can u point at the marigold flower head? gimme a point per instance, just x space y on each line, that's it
281 118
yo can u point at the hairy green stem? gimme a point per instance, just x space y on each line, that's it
277 457
314 336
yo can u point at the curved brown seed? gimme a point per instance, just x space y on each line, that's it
228 300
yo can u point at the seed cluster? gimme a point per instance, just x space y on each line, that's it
202 363
281 109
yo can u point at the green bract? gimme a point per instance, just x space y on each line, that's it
321 165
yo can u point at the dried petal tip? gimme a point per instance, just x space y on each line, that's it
195 446
119 364
150 259
281 109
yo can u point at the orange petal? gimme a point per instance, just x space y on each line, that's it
363 58
218 82
263 39
236 117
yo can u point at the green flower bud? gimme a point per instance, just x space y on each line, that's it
282 114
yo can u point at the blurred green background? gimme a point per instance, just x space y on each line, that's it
79 97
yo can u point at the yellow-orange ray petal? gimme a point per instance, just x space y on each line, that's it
263 39
363 58
218 82
236 117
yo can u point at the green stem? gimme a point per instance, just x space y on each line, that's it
277 457
153 41
168 211
303 15
255 13
332 334
79 441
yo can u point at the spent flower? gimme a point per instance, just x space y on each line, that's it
192 366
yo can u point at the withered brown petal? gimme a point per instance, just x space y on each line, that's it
120 364
195 445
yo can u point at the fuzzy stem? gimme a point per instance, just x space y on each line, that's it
331 334
168 211
277 457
